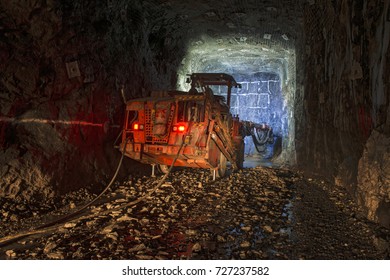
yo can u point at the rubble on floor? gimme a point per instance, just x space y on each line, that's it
255 213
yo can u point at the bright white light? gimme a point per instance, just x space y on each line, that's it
231 55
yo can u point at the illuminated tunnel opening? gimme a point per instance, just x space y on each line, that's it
268 78
259 100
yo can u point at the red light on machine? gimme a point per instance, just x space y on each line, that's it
179 128
137 126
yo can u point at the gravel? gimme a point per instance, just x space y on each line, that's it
255 213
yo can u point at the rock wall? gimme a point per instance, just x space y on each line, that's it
374 178
346 97
63 67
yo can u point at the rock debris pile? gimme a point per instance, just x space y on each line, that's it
258 213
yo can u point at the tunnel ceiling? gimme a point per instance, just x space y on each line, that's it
234 36
244 20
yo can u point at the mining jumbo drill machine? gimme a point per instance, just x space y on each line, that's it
189 129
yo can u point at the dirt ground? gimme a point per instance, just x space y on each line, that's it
254 213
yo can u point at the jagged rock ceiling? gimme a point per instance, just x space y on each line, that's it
248 34
245 20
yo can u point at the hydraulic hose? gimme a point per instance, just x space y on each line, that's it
260 141
6 240
44 228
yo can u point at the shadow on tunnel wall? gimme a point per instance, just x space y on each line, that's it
66 69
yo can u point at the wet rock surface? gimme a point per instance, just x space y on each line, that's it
255 213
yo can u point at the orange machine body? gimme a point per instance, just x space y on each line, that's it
156 126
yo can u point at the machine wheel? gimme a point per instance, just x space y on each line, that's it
241 155
163 168
222 167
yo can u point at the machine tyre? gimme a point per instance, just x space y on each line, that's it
222 167
241 155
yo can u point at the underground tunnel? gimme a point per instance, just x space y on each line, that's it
315 72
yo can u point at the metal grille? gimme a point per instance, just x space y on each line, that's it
148 124
150 138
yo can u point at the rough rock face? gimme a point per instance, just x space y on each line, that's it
346 96
26 184
65 68
374 178
336 106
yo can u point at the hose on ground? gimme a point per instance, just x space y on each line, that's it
46 227
6 240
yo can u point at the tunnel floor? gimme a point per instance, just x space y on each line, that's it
257 160
254 213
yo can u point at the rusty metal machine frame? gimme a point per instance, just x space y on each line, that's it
156 126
